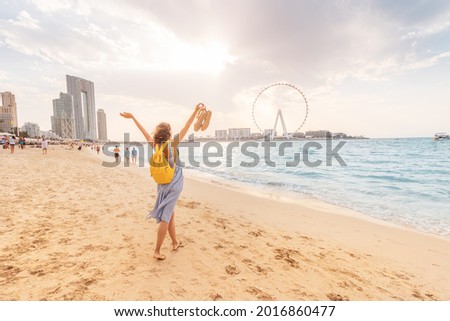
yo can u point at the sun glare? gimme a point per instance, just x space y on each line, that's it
210 58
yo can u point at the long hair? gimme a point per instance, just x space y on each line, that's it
162 133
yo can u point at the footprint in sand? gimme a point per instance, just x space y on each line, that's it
64 240
91 247
424 297
349 284
337 297
8 272
177 289
37 272
255 267
219 246
256 233
401 275
53 291
192 204
215 297
285 255
261 295
232 269
127 238
351 274
222 223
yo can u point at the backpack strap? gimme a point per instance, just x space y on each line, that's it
159 146
162 146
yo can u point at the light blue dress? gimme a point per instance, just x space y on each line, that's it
168 194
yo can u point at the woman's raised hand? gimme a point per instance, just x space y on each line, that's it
126 115
199 106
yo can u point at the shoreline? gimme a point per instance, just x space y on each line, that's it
429 216
323 210
301 199
75 230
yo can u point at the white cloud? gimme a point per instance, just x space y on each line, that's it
433 27
25 20
133 43
413 62
169 53
52 6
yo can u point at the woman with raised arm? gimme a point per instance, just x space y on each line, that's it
168 194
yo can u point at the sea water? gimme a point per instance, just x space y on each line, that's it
402 181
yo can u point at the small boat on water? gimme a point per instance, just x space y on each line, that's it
441 136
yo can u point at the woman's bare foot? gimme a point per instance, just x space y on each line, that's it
175 246
159 256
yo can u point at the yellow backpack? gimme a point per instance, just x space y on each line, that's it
160 169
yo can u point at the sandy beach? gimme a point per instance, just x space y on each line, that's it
71 229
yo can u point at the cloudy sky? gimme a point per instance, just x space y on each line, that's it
372 68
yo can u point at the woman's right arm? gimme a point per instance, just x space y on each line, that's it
141 128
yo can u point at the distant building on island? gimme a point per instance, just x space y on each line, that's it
271 134
8 113
339 135
83 94
318 134
298 135
221 134
256 135
32 129
63 120
101 121
239 133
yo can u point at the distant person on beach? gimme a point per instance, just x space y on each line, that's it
167 194
116 153
133 155
44 146
98 149
80 146
12 143
21 143
127 157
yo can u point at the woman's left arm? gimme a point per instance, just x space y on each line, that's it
185 129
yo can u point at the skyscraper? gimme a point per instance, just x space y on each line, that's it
101 119
63 121
33 130
83 95
8 113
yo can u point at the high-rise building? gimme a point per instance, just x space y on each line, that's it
33 130
8 113
63 120
101 120
83 94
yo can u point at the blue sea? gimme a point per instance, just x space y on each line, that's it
405 181
402 181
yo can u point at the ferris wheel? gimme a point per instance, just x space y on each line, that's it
279 115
